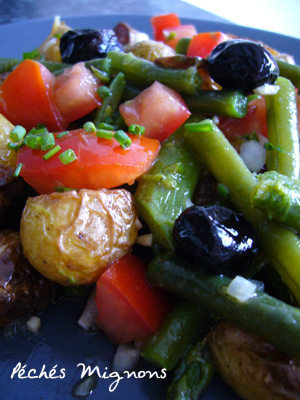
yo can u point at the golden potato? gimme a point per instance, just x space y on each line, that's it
7 157
150 50
72 237
50 48
255 369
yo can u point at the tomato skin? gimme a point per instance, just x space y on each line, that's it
27 97
158 108
161 22
75 92
128 307
181 31
101 163
203 43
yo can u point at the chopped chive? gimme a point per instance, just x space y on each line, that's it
18 169
61 189
101 75
38 131
51 152
13 146
17 133
203 126
136 129
41 126
107 127
32 141
103 91
67 156
222 190
46 142
105 134
123 139
62 134
89 127
171 36
270 146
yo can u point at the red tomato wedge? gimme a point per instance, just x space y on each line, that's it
202 44
128 307
101 163
254 122
161 22
26 96
178 32
158 108
75 92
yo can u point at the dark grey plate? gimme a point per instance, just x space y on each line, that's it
60 343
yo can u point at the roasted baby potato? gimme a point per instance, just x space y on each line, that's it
22 289
150 50
50 48
7 157
72 237
256 370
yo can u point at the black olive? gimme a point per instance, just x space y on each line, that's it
215 239
242 64
87 44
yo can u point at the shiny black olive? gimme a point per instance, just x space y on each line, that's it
242 64
215 239
87 44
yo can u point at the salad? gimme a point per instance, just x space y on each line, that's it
162 177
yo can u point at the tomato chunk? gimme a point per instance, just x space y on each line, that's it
254 122
101 163
75 92
161 22
202 44
158 108
181 31
128 307
26 96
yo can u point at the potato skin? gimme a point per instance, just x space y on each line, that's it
22 289
255 369
150 50
72 237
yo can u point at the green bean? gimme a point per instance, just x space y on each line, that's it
279 197
166 346
282 130
143 72
281 245
182 45
289 71
193 374
162 192
218 102
111 102
7 64
273 320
